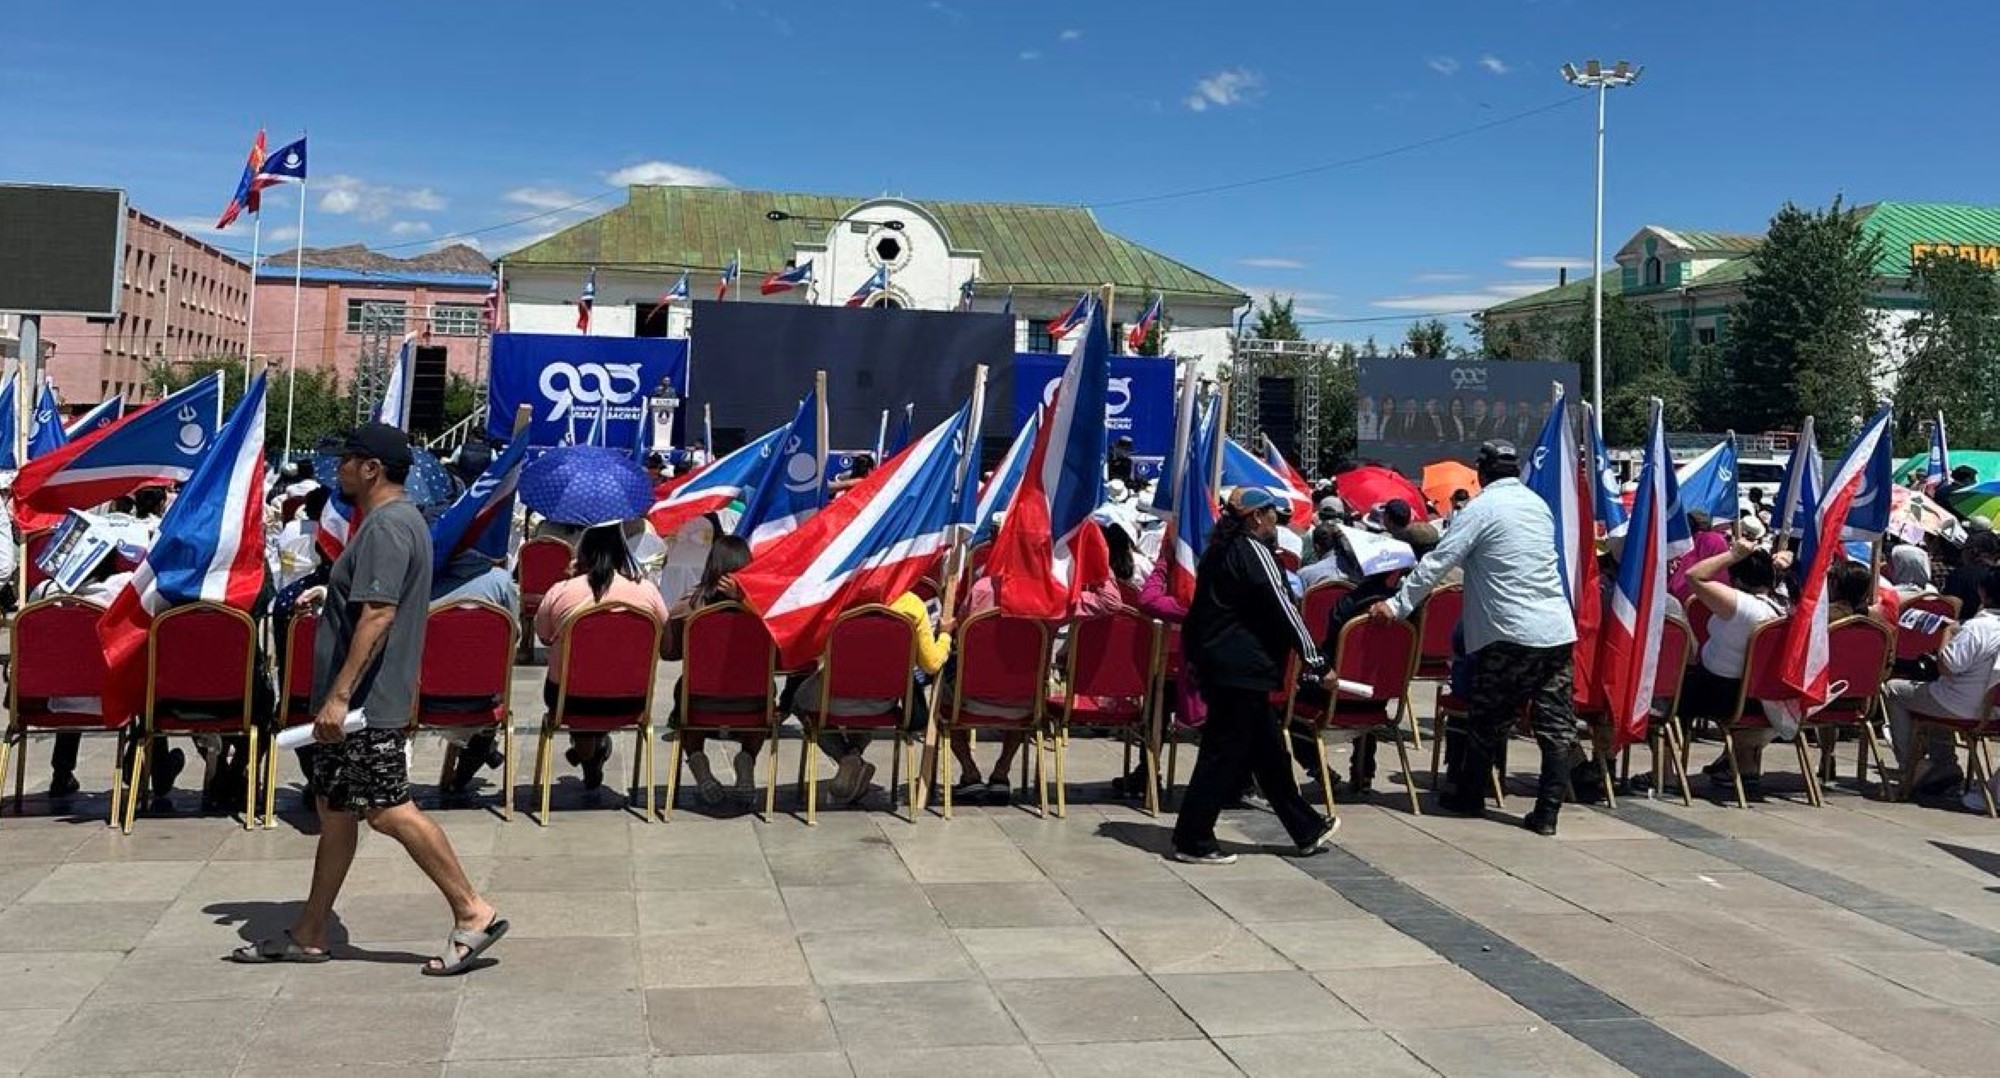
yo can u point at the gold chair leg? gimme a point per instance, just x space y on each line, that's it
548 769
20 787
1062 772
1409 780
1677 759
117 780
809 764
1807 769
1152 776
1326 768
1041 773
1735 773
1602 750
944 768
271 784
250 781
507 772
675 756
771 788
138 777
646 747
1416 728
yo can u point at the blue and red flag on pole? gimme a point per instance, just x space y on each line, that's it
716 485
998 492
162 444
106 413
1193 507
1070 319
45 434
1242 468
793 485
1048 552
1797 502
1604 482
247 188
1631 654
729 274
286 165
1708 482
787 279
394 407
7 420
586 301
678 293
1557 471
481 516
210 547
1136 336
1275 458
899 439
1937 467
870 545
876 283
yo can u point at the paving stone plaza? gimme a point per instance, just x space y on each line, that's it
1858 938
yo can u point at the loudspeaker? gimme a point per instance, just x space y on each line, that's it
1278 411
427 390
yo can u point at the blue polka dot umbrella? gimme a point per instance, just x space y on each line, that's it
586 485
428 486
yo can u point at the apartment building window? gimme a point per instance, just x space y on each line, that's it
390 315
457 319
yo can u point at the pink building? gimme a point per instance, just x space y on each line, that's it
181 300
442 294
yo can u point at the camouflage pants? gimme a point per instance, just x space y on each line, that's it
1505 677
362 772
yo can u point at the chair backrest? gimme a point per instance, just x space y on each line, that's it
1379 654
300 637
288 507
1858 651
1437 620
608 651
726 650
1913 642
543 563
1172 656
1113 655
1762 660
468 651
36 542
1699 616
870 655
1002 660
56 651
1676 651
1945 606
202 652
1321 598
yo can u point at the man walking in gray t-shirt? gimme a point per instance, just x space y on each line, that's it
365 658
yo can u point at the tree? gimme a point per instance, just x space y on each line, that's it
1427 340
1275 321
1540 336
1155 341
1801 342
318 405
1952 360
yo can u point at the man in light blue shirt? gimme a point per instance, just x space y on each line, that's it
1519 631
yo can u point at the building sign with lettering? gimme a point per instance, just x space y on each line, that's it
1984 255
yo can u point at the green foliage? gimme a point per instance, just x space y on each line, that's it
462 396
1427 340
1954 355
1275 321
1801 341
318 405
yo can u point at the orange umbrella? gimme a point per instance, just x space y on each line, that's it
1446 476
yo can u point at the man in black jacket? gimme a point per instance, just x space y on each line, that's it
1240 630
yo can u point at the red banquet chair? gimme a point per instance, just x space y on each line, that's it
1975 734
1912 641
294 699
727 654
1436 620
1108 679
1002 662
1676 645
541 565
1760 682
1382 655
201 660
1859 653
608 653
871 654
465 678
56 654
1320 600
35 543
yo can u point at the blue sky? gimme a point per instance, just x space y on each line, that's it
429 120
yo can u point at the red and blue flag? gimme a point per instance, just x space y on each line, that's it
1631 655
1136 336
876 283
481 516
46 434
1797 501
1557 471
793 485
586 301
998 492
789 278
106 413
286 165
1193 507
1806 652
1242 468
210 548
1070 319
163 444
1937 467
247 188
716 485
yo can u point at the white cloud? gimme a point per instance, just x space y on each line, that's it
284 234
1232 86
1440 278
195 226
1030 54
946 10
410 228
665 174
1272 263
1486 296
1494 64
540 198
1070 35
1548 262
373 202
1443 65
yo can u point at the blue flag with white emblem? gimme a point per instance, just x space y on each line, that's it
793 486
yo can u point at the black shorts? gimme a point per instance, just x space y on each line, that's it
363 772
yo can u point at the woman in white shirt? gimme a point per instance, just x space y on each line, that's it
1746 601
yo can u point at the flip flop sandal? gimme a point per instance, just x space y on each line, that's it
475 944
270 951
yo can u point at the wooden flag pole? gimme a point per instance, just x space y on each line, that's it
948 601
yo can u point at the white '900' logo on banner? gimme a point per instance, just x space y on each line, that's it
569 386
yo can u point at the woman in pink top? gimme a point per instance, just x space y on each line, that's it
603 573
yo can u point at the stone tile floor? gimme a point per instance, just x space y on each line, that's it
1862 937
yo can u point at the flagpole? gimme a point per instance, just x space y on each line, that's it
250 318
882 436
298 279
1221 438
954 556
708 431
820 450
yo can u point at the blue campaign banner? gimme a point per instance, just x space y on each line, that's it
1139 403
570 382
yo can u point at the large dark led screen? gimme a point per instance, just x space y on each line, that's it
1413 412
61 249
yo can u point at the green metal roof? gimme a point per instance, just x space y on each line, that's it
1577 291
1702 241
1901 224
700 228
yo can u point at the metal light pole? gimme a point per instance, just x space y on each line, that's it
1595 76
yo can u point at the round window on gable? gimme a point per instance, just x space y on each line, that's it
888 249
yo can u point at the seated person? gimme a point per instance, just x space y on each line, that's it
851 772
1739 606
603 573
1966 675
717 584
471 575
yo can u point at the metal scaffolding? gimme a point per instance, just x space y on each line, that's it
382 329
1252 358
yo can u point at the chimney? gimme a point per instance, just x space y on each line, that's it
1562 276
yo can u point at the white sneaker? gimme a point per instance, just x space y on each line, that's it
847 780
707 787
746 775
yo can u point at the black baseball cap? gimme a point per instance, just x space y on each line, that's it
1499 451
378 441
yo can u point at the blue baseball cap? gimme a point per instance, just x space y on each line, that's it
1246 500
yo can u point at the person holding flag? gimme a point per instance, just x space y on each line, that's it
1520 632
